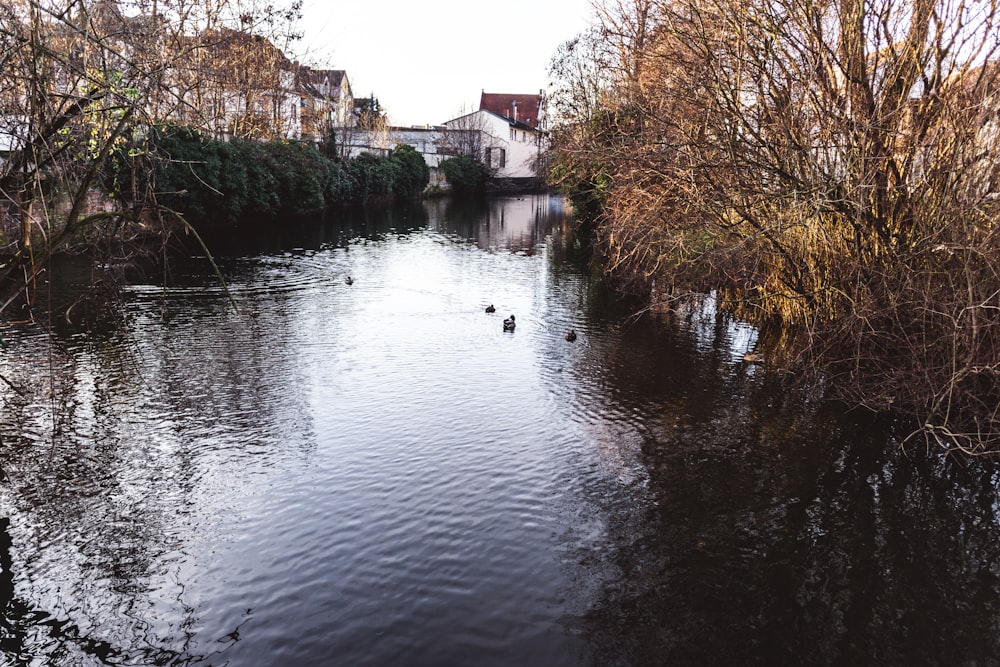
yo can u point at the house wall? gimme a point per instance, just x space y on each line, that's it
519 144
516 153
425 141
325 100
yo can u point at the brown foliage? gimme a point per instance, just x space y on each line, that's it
80 80
828 164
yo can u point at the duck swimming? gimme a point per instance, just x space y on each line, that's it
508 324
349 280
490 309
571 336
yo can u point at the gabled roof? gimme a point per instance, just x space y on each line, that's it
243 47
333 77
322 83
525 109
510 121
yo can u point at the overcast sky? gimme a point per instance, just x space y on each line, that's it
426 60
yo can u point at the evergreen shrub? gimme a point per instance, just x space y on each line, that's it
217 183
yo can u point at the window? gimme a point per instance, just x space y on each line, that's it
496 157
513 134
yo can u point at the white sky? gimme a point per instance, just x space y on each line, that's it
427 60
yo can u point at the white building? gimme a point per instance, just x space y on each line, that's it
507 134
508 147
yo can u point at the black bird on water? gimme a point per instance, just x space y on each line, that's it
349 281
508 324
490 309
571 336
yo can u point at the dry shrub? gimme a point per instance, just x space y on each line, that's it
828 165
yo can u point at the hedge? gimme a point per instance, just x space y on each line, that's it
217 183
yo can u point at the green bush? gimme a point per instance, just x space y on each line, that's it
465 175
299 175
187 172
263 199
339 185
412 173
372 175
218 183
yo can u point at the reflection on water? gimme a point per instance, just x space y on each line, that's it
375 473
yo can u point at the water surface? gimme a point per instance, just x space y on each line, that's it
376 473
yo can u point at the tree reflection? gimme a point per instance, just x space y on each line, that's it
730 521
775 531
105 462
336 227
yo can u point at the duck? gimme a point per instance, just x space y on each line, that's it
508 324
571 335
490 309
349 280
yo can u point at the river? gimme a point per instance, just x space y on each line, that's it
376 473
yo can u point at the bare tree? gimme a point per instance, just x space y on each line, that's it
469 135
79 80
368 131
580 79
829 164
73 81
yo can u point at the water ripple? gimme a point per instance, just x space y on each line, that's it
377 473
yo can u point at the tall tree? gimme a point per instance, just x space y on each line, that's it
79 79
831 163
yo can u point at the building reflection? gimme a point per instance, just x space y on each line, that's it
512 223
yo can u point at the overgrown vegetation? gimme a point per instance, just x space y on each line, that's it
88 93
214 183
412 172
81 80
829 166
465 174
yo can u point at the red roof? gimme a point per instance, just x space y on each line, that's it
522 108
